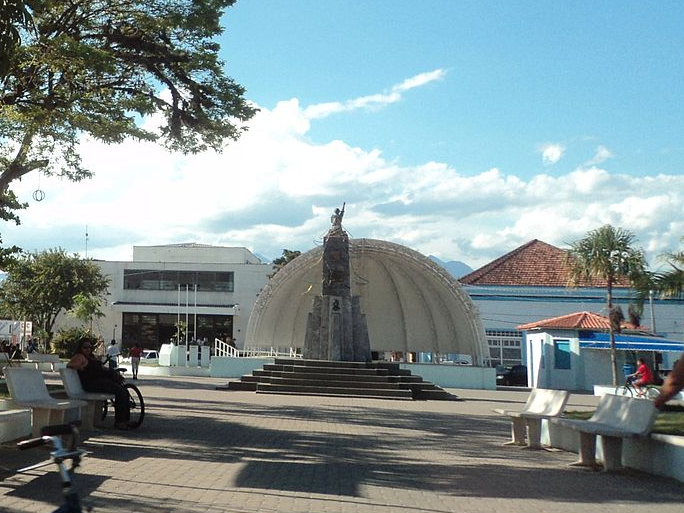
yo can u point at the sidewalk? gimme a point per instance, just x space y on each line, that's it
202 450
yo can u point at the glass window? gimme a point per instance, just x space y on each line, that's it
225 282
561 354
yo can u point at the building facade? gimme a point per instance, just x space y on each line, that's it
181 292
531 283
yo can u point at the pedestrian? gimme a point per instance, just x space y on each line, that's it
136 353
30 348
113 353
674 382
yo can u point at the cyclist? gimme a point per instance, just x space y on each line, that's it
96 378
642 377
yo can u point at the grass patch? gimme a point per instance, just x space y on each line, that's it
668 422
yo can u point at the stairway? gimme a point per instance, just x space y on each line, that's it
378 380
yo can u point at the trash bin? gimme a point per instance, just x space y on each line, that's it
628 369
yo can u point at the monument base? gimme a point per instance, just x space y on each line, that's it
337 330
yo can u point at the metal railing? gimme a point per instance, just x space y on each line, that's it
222 348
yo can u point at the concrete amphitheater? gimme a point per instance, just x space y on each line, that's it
411 303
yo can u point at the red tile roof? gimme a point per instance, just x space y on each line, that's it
578 321
536 264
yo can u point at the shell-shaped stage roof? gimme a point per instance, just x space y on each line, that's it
410 302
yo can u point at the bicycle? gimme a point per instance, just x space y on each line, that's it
135 401
649 391
51 435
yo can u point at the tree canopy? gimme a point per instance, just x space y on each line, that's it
39 286
607 253
14 16
96 67
282 261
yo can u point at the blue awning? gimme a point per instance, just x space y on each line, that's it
598 340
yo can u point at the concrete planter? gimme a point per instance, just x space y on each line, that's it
15 428
662 455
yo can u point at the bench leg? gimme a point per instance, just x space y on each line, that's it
612 452
42 417
534 433
517 432
587 451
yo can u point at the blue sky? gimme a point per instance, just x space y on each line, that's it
460 129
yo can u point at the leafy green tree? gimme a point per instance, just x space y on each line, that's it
87 308
670 283
96 67
288 256
65 341
607 254
14 16
39 286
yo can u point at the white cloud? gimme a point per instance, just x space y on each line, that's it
602 154
551 153
275 189
373 101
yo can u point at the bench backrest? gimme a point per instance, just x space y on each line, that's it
42 357
72 383
626 413
26 385
546 402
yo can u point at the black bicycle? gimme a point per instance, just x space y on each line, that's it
63 452
135 402
628 389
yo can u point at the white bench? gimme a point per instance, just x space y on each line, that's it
95 400
615 418
541 404
44 362
27 388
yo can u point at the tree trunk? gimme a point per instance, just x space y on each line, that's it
613 349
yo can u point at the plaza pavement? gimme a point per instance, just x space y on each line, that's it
209 451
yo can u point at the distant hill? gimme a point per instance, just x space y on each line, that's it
455 268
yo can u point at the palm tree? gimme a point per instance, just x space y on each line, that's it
606 254
671 283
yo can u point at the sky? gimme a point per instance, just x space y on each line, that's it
461 129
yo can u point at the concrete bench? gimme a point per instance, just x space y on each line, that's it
44 362
615 418
13 424
541 404
95 400
27 388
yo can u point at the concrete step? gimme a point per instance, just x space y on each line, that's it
325 369
322 363
325 383
368 378
238 385
265 388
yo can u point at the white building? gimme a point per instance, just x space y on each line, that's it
530 283
209 289
572 352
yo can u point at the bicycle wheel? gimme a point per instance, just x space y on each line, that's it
625 390
137 405
652 392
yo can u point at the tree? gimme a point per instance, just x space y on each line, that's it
288 256
39 286
670 283
86 308
607 254
14 16
96 67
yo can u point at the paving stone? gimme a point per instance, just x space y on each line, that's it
208 451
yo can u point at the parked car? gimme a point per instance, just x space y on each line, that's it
149 356
511 376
